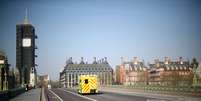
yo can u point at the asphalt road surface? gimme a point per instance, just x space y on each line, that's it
63 94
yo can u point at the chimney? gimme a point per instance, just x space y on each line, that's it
166 60
94 61
122 60
69 61
180 60
102 60
105 59
135 60
157 62
82 60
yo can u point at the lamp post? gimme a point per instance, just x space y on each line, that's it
5 81
194 65
0 77
194 76
1 66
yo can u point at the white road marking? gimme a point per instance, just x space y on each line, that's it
80 95
164 97
56 95
155 100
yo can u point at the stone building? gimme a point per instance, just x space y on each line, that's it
72 70
7 77
4 69
170 73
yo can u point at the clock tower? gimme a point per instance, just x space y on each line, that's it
25 49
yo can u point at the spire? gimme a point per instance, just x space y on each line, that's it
26 17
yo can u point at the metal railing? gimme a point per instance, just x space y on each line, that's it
190 89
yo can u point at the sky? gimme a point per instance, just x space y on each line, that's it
147 29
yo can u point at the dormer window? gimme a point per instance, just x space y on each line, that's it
185 68
172 68
168 68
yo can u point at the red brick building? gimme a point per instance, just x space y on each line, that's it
165 73
132 72
171 73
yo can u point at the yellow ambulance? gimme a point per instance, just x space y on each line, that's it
88 84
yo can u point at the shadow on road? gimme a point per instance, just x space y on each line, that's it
99 93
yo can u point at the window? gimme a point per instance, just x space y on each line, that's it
168 68
180 67
86 81
185 68
172 68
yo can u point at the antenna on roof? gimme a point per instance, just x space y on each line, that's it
26 17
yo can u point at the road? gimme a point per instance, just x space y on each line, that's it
63 94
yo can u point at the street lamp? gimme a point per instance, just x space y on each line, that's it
194 77
1 66
194 65
5 81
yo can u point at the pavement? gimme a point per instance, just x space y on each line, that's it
113 94
31 95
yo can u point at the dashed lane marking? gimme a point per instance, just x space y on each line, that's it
56 95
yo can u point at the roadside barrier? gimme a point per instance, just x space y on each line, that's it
6 95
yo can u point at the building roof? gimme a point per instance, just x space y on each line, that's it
171 65
70 65
87 65
138 66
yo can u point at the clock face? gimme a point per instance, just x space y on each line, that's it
1 61
26 42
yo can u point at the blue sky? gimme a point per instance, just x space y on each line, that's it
147 29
